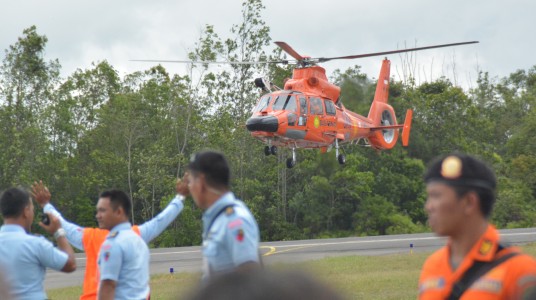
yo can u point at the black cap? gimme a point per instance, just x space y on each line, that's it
461 170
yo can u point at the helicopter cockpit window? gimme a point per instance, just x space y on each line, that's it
290 104
317 108
279 102
330 107
285 102
263 104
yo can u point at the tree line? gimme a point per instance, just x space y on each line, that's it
95 130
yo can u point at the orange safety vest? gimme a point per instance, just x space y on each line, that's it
92 240
511 279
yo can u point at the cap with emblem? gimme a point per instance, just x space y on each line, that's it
461 170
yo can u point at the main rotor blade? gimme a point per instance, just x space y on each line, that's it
214 62
324 59
289 50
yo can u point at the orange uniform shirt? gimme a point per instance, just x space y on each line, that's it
92 239
513 279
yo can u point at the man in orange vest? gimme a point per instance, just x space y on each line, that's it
474 264
90 239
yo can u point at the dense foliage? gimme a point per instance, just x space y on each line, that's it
95 130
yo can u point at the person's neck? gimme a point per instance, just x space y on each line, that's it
462 243
214 195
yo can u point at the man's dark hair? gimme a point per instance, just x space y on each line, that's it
264 284
118 198
465 173
214 166
13 201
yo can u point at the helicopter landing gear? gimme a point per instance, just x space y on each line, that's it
340 157
291 161
270 150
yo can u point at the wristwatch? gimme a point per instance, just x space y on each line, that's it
59 233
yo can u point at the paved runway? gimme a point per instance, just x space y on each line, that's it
188 259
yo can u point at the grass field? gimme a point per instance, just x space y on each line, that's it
356 277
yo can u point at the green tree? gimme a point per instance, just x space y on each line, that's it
26 85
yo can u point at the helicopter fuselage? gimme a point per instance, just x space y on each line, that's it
303 120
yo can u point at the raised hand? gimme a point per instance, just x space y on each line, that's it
182 185
40 193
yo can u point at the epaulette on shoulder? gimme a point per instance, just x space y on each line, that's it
229 211
113 234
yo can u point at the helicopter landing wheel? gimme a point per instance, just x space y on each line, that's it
341 158
290 163
273 150
267 150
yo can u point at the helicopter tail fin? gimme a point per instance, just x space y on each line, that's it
382 88
381 96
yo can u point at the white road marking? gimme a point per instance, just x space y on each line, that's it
271 247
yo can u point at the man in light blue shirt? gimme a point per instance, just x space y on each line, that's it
24 257
124 256
230 232
148 230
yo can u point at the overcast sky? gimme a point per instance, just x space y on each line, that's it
82 32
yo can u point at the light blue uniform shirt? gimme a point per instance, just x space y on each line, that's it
233 237
148 230
24 259
124 258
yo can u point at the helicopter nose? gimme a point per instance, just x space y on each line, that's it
267 124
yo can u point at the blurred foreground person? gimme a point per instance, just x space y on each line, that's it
90 239
5 290
264 284
230 232
124 256
25 257
474 264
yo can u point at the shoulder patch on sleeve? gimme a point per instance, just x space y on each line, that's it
240 235
235 223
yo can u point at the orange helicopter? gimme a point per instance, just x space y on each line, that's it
308 112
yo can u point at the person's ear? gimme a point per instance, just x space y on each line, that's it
201 181
472 202
27 212
119 211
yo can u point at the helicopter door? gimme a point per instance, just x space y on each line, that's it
316 120
302 120
331 118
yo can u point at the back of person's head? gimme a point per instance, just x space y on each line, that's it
264 284
13 201
213 166
465 173
118 199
